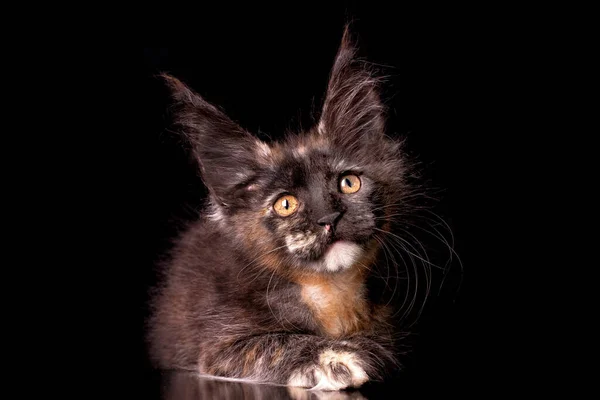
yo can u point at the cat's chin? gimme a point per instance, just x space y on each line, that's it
339 256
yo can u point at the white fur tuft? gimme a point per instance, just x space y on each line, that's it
341 255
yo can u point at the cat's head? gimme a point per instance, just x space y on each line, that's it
315 200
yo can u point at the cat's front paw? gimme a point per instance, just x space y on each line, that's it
336 370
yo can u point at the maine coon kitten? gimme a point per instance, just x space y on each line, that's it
277 280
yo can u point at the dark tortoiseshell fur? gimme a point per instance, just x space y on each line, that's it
249 294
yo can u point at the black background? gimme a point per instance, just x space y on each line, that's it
451 74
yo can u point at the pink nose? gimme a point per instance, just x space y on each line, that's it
327 227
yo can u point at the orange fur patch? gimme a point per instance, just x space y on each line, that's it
277 356
253 240
249 359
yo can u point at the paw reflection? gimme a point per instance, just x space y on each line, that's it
189 386
297 393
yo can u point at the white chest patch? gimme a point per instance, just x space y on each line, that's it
341 255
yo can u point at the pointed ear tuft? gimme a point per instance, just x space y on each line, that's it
346 51
225 152
352 110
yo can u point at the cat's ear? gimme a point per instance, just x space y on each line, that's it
352 111
227 154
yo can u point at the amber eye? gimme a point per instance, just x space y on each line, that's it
286 205
349 184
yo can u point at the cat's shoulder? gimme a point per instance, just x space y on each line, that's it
204 246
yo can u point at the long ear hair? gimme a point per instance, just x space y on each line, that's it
227 154
352 111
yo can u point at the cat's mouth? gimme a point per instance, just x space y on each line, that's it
324 251
327 241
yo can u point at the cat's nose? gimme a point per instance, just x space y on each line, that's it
330 219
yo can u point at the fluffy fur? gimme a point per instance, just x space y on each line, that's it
252 295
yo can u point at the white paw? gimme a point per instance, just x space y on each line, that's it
336 370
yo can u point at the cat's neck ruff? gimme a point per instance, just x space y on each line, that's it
337 301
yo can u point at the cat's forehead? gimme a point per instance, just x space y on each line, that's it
311 153
310 150
302 169
300 146
302 160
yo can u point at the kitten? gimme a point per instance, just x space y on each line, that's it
280 280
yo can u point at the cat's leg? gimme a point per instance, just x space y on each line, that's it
297 360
